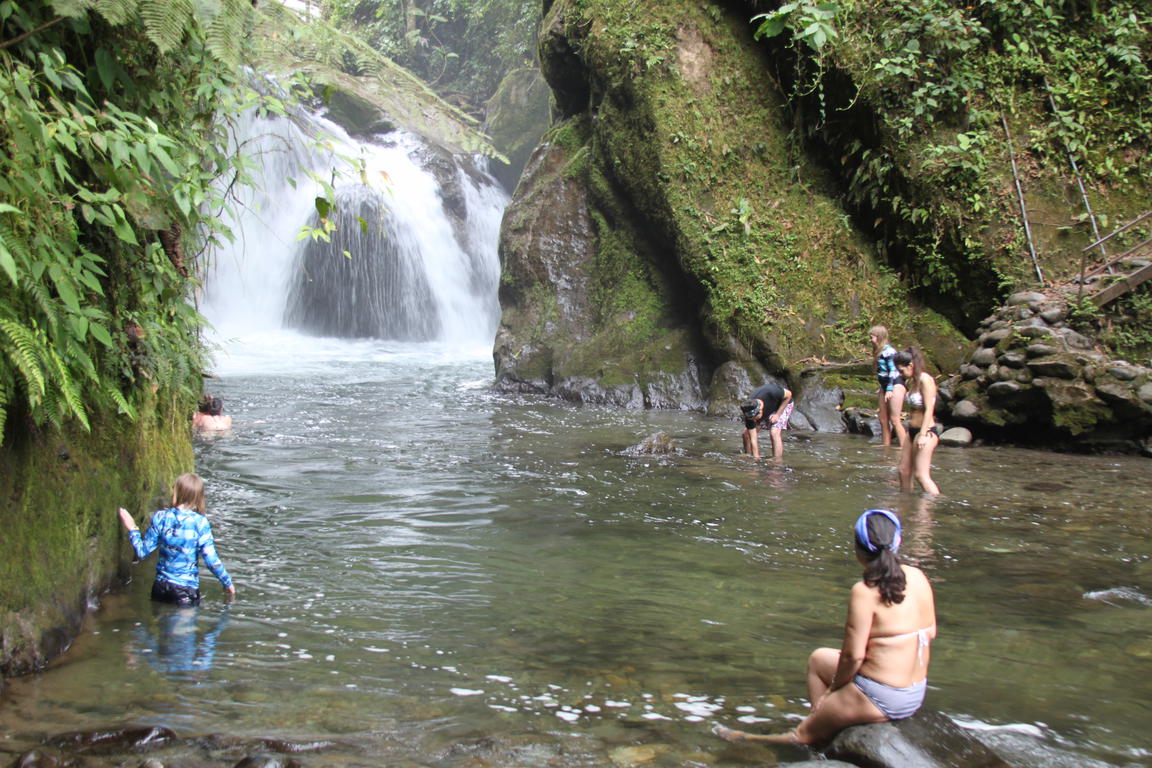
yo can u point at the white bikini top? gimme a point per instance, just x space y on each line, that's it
916 401
921 643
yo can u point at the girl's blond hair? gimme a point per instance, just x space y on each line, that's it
881 334
188 491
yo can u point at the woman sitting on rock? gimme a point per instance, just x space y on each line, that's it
881 671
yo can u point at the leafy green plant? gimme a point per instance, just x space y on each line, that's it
115 118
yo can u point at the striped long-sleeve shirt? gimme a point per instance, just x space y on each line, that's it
182 535
886 372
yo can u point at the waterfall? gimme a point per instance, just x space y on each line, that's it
412 257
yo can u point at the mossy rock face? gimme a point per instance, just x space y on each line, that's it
517 116
63 543
701 222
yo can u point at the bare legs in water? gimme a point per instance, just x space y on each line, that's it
831 712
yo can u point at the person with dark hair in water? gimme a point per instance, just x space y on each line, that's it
880 672
923 431
769 407
210 417
183 535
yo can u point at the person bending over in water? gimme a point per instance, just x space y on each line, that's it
769 407
923 431
183 534
881 671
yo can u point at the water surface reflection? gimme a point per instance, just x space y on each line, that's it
433 575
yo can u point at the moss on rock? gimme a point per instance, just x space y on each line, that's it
63 544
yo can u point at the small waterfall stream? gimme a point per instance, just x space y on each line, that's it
412 257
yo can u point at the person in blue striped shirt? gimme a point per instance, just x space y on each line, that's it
183 535
891 401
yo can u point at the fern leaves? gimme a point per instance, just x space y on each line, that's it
165 22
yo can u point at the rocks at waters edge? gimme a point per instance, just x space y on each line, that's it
656 444
926 740
957 437
1030 378
113 740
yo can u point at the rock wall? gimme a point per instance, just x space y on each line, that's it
63 544
1033 378
666 246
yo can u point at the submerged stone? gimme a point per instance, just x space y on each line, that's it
114 740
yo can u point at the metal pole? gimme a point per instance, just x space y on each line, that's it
1020 196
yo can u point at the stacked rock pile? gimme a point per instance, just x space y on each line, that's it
1033 379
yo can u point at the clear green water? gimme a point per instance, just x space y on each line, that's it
432 575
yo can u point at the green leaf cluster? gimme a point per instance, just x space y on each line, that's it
113 118
911 97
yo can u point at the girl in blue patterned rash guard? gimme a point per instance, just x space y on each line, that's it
182 534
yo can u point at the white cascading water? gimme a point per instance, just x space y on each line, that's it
406 276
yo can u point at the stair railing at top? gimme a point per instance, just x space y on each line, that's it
1085 273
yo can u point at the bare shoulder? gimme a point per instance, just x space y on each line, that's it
863 592
914 574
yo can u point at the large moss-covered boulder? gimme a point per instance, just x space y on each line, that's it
668 228
516 118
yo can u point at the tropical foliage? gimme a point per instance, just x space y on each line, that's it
924 103
113 115
461 47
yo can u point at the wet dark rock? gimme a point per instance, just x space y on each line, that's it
39 758
654 445
970 371
925 740
860 421
268 761
112 741
819 404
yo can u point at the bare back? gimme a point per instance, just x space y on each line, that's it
898 641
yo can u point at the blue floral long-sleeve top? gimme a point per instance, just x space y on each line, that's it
182 535
886 372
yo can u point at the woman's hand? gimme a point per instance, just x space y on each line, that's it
127 520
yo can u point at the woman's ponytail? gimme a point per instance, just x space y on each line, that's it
884 573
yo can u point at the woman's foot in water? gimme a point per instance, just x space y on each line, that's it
735 736
729 734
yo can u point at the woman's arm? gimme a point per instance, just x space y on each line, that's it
857 629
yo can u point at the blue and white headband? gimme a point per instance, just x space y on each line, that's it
862 531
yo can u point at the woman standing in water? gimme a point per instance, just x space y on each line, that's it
923 431
881 670
183 535
891 400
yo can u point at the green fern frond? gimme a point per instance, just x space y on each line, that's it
117 397
115 12
225 28
166 21
71 403
25 354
